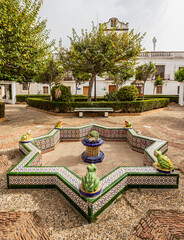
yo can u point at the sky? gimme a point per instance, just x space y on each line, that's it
163 19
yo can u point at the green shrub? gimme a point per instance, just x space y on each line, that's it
112 96
22 98
2 109
82 98
172 98
128 93
125 107
61 93
51 106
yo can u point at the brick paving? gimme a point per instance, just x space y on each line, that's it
161 225
22 226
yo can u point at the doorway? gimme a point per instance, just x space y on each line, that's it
85 91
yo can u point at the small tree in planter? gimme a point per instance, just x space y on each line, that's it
144 72
158 82
128 93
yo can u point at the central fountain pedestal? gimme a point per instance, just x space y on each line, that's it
93 154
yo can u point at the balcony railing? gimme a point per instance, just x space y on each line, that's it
155 54
68 79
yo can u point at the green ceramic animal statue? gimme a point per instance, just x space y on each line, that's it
163 161
58 124
93 136
26 137
90 182
128 124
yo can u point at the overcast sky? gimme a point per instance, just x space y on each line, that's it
163 19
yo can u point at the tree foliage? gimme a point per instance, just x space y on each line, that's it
144 72
52 72
179 75
80 78
97 52
23 40
158 82
122 73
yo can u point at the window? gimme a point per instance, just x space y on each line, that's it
45 90
24 86
159 90
68 76
108 78
178 90
160 71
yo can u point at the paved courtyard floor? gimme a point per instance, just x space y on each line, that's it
68 154
58 216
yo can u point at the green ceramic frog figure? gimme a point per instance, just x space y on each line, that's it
163 161
90 182
26 137
128 124
93 136
58 124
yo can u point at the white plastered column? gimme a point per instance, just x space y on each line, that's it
181 94
13 89
2 91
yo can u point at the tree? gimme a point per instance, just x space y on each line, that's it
158 82
179 75
144 72
98 52
52 73
80 78
122 73
23 40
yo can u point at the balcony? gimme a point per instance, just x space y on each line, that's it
68 79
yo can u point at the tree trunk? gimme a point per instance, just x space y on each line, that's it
143 91
50 85
76 86
117 86
28 88
91 86
154 91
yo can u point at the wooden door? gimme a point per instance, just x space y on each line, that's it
112 88
85 91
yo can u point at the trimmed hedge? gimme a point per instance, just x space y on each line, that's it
2 109
172 98
22 98
125 107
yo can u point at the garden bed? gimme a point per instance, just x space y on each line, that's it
122 107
